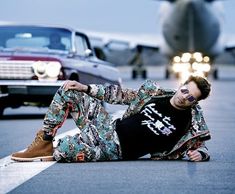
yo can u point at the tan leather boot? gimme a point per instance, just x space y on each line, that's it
40 149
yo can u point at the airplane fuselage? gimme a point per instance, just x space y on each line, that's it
191 26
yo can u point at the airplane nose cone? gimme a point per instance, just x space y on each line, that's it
190 7
193 5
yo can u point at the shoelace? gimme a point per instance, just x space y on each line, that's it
38 138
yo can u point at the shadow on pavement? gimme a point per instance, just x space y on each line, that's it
21 117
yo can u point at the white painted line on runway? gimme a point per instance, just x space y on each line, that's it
13 174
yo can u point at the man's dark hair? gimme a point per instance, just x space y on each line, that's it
203 85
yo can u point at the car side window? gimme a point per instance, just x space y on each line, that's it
81 45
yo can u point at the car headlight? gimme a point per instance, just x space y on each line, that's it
47 69
53 69
39 69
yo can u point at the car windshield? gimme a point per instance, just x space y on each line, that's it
35 37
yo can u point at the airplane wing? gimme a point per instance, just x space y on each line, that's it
189 42
119 49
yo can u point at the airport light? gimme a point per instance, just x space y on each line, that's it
206 59
176 59
198 56
180 67
191 64
200 69
186 57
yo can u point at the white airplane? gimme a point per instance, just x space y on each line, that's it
192 29
191 38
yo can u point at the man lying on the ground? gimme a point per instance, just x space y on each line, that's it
166 124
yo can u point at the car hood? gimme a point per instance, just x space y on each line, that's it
103 69
30 56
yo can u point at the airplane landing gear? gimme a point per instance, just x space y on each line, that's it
215 74
136 72
167 74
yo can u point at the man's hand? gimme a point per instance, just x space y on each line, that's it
74 85
194 155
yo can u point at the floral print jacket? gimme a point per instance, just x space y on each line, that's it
195 137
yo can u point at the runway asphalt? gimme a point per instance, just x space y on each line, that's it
18 127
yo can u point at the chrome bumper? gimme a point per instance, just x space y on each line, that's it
29 87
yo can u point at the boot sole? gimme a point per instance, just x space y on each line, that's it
35 159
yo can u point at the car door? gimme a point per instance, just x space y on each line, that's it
96 69
83 53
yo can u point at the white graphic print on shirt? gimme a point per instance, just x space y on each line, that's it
156 122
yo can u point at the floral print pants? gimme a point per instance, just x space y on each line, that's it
96 139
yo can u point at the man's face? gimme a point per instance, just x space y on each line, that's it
186 96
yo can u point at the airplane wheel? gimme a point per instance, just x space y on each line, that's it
1 110
167 74
144 74
215 74
134 74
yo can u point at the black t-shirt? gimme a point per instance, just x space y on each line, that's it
156 128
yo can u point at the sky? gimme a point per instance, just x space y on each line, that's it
118 16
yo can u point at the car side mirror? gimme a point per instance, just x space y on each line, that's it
88 53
